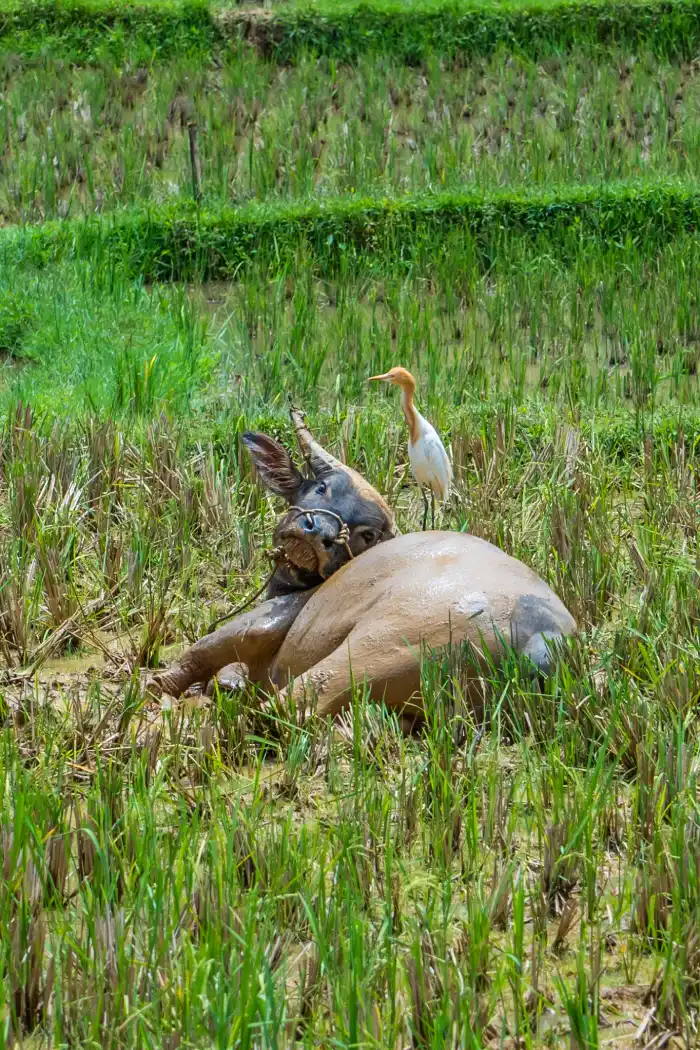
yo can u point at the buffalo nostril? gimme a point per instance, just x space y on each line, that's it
328 544
308 523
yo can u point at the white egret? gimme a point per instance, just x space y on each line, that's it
430 464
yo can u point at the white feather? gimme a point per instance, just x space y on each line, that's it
430 464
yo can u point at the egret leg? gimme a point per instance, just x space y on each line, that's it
425 509
432 509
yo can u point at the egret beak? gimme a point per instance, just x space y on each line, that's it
386 378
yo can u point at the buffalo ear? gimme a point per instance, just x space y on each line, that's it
274 465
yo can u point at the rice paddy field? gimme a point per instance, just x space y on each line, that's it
77 140
518 225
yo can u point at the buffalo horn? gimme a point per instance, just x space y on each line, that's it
315 455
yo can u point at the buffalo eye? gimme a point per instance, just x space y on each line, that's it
369 536
321 489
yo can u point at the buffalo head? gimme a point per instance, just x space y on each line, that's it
333 503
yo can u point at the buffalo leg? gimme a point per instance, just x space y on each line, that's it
393 675
252 639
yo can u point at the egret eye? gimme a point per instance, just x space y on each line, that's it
321 488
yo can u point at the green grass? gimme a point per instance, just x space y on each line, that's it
80 141
456 30
522 234
215 877
175 243
91 30
613 329
86 30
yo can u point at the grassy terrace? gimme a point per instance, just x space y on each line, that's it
191 243
77 140
85 29
523 233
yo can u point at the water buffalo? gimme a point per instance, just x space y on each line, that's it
352 600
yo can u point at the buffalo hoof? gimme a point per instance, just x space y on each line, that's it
152 689
230 679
